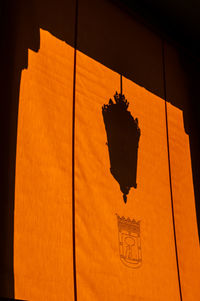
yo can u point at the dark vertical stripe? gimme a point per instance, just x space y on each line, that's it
73 154
121 84
169 165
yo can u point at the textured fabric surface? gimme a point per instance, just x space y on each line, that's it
43 245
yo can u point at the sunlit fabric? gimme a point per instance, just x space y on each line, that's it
100 273
123 251
43 229
184 204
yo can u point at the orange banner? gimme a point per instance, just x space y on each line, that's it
124 233
101 274
43 261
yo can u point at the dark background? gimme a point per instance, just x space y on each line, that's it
131 45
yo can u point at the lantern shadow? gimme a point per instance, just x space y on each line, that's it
123 136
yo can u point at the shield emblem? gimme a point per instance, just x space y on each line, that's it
129 242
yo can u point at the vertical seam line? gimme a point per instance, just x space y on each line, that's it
169 167
73 153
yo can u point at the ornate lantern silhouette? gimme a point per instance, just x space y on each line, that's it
123 136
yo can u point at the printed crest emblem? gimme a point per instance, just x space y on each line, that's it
129 242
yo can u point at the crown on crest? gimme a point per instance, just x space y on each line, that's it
128 225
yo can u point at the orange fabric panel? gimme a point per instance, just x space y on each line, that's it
43 204
101 275
184 205
43 261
